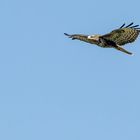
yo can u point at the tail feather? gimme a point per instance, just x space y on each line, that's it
123 50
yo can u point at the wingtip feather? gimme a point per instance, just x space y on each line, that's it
66 34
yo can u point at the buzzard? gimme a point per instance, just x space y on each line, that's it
115 39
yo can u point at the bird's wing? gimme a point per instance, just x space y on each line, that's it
123 35
81 37
77 36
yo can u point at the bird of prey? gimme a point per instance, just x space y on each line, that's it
115 39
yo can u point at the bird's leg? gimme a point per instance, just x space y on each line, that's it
123 50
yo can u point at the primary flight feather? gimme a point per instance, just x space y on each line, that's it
115 39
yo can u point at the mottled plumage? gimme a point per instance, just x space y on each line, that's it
114 39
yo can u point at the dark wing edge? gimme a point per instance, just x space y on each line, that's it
70 36
80 37
130 26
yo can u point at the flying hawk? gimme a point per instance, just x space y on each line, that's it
115 39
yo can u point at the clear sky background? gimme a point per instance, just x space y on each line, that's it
53 88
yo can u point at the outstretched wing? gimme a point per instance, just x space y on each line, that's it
123 35
82 38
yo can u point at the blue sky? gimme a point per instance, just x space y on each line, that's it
53 88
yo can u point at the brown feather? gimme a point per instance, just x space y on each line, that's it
122 36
